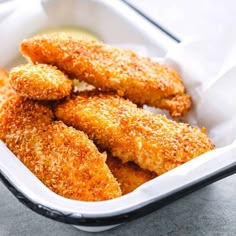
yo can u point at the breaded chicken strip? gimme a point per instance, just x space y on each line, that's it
63 158
40 82
129 175
137 78
5 88
133 134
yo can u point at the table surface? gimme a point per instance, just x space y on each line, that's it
209 211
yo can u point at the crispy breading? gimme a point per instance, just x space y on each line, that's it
137 78
129 175
3 78
152 141
5 88
63 158
40 82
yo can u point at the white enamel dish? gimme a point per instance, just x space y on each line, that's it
116 23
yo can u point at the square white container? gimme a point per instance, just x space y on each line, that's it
115 23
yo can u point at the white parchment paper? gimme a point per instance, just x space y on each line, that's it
18 19
208 68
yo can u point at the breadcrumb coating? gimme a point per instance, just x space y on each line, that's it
40 82
5 88
152 141
137 78
129 175
63 158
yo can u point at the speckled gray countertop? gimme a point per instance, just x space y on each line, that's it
209 211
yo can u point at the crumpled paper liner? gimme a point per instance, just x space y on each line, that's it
16 23
208 68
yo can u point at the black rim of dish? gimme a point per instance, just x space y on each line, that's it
155 23
116 219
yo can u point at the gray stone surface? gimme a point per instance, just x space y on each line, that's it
209 211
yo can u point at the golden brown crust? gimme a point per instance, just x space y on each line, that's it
133 134
137 78
5 88
63 158
176 105
3 77
129 175
40 82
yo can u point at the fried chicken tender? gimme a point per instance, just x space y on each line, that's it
137 78
152 141
40 82
63 158
129 175
5 88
